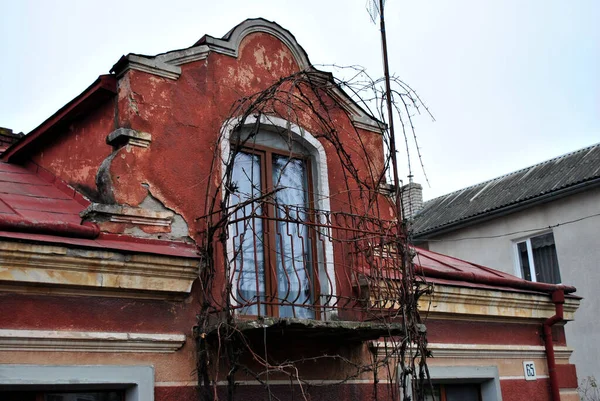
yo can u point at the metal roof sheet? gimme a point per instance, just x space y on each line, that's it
25 196
552 177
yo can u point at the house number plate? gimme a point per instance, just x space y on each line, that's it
529 369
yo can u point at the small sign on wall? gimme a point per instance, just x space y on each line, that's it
529 369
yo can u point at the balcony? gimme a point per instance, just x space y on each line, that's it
283 264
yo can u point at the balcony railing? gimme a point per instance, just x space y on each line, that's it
290 261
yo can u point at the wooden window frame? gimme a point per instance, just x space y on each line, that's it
265 154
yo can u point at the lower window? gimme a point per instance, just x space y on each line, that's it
454 392
61 396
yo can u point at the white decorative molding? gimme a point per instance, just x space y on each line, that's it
456 301
188 55
168 64
137 382
127 136
493 351
88 341
321 182
26 266
485 351
128 215
230 43
146 64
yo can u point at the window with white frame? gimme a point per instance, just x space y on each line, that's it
76 383
463 383
279 266
536 259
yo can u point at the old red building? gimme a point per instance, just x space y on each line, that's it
211 222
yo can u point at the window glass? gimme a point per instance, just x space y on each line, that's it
462 392
524 260
247 235
453 392
294 267
61 396
272 245
545 259
432 396
103 396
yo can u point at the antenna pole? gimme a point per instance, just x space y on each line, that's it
388 98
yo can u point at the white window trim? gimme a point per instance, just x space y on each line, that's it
486 376
136 381
517 260
320 184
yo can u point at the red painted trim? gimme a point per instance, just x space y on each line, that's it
103 88
58 228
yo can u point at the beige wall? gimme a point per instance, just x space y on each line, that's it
578 248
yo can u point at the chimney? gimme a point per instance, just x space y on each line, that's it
412 199
7 138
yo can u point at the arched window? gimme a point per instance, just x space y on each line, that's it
279 259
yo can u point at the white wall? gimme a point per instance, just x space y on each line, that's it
578 248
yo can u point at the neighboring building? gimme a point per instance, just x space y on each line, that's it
541 223
159 239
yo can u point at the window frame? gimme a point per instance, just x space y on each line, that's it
269 225
487 377
320 186
532 268
136 382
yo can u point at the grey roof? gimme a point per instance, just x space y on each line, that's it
538 183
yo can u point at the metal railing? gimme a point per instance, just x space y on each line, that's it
291 261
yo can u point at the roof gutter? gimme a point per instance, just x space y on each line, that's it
62 229
551 196
103 88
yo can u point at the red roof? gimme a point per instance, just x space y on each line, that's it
36 206
449 270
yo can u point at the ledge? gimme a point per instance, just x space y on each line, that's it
32 267
488 351
145 64
342 331
490 304
88 341
126 136
128 215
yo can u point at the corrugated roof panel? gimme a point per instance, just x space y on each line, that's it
511 189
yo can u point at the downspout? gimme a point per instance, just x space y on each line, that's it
558 297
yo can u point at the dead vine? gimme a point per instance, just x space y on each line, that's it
373 279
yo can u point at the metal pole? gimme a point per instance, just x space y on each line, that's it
388 96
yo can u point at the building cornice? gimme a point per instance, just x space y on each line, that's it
167 65
485 351
88 341
483 304
94 272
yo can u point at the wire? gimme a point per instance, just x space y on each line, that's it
508 234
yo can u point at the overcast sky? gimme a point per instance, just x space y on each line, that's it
510 82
